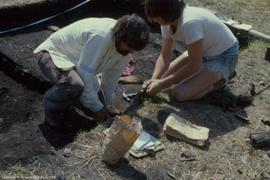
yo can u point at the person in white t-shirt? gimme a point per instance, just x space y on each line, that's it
72 57
211 50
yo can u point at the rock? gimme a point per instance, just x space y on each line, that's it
239 171
187 154
182 129
262 83
133 79
261 139
244 100
265 175
53 28
67 152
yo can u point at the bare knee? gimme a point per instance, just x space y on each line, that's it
180 95
187 95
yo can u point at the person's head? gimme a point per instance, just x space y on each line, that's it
163 11
131 34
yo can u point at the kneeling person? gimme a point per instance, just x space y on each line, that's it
72 57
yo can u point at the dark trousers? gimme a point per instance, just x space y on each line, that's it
67 86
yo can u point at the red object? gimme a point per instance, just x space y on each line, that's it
130 68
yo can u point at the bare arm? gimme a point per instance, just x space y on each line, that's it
195 54
164 58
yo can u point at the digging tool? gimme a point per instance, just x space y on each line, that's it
129 96
133 98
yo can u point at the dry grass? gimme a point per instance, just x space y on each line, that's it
252 12
230 153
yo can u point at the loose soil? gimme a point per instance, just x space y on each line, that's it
29 148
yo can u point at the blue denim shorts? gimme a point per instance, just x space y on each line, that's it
225 62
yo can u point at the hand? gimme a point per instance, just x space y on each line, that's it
145 85
154 87
100 115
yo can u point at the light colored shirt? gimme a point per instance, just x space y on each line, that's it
88 46
198 23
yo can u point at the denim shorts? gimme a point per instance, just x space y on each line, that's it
225 62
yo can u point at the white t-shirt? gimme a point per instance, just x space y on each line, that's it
88 46
196 24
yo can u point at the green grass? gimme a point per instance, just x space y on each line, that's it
16 170
80 135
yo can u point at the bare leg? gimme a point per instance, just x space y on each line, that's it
196 86
202 93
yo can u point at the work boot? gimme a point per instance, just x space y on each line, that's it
231 77
221 84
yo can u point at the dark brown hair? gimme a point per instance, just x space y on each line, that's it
132 30
168 10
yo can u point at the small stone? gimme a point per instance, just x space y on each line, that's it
268 153
252 89
262 83
240 171
1 120
67 152
53 28
187 154
25 70
265 121
260 139
60 177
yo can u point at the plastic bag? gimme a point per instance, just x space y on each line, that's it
121 136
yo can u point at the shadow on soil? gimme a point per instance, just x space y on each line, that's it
125 170
75 123
218 118
216 112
